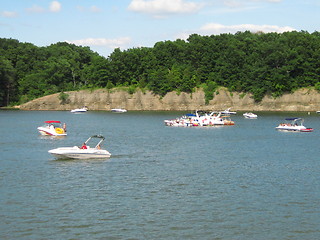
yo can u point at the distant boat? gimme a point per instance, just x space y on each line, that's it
53 128
250 115
228 112
118 110
293 125
79 110
201 119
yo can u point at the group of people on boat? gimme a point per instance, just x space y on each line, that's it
287 124
200 118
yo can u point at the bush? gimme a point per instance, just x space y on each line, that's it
209 90
317 86
110 85
64 98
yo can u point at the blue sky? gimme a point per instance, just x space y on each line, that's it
106 24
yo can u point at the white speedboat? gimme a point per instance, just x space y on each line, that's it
79 110
84 152
53 128
250 115
118 110
228 112
293 125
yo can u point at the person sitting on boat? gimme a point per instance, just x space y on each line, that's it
84 146
99 147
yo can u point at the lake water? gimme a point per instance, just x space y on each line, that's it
246 181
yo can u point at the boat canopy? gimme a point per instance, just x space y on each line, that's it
190 115
52 122
293 119
98 136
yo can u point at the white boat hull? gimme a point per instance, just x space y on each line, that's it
77 153
294 129
45 131
250 115
80 110
118 110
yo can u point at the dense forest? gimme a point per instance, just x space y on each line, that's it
257 63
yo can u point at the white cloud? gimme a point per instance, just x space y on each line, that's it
242 5
272 1
164 7
55 6
35 9
215 28
233 3
93 9
112 43
8 14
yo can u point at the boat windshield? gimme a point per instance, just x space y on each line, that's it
55 124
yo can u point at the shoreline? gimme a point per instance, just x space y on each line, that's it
303 100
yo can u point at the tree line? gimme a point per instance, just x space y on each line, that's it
256 63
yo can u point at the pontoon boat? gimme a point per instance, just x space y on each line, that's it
293 125
200 118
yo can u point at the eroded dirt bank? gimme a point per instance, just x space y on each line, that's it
301 100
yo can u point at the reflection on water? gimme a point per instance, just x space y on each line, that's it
246 181
46 137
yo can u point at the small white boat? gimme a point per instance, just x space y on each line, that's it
53 128
79 110
118 110
84 152
228 112
293 125
250 115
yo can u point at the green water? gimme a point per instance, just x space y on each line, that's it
246 181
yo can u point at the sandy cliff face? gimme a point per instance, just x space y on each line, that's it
302 100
